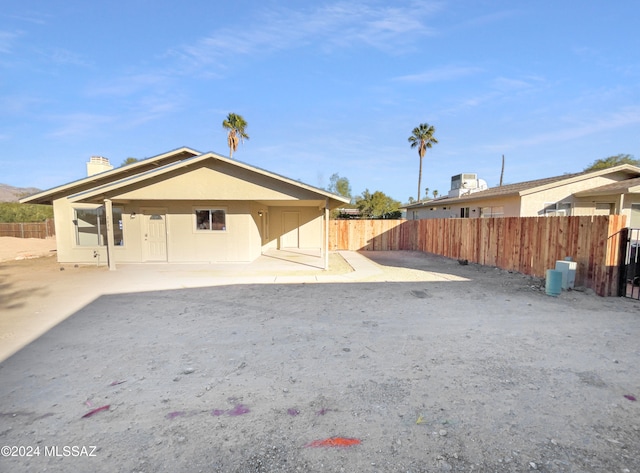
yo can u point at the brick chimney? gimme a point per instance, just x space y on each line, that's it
98 164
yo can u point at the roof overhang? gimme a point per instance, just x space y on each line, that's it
317 196
610 190
48 196
532 187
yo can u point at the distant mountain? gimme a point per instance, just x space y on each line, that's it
13 194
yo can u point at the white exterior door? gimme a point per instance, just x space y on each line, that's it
290 226
155 236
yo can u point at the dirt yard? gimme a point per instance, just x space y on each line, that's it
468 369
17 249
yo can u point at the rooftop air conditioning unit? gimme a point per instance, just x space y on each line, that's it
464 181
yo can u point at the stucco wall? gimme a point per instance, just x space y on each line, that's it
310 230
533 204
159 223
510 205
67 249
242 240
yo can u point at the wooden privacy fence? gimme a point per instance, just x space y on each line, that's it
44 229
528 245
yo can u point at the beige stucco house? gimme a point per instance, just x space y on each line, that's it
609 191
185 206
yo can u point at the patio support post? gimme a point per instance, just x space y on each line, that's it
110 236
620 204
326 235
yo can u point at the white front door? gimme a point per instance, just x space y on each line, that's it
290 225
155 236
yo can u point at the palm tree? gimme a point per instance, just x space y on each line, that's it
236 125
422 137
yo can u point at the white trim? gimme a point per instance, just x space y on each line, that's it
208 231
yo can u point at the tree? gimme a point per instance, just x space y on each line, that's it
235 125
611 161
422 138
377 205
129 161
339 185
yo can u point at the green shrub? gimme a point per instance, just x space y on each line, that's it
12 212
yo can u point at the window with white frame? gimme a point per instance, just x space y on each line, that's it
211 219
492 212
91 226
557 209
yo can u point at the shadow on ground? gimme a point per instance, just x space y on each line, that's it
427 376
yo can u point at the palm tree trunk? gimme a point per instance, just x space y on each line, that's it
420 179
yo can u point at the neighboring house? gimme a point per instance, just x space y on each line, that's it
614 190
185 206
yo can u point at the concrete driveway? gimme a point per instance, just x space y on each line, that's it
36 294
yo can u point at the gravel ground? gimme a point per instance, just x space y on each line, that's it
478 370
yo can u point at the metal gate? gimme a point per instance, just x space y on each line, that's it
630 266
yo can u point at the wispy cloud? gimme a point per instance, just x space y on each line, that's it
20 103
79 124
144 110
127 85
7 40
494 17
337 25
620 119
37 18
62 57
440 74
145 97
509 84
496 90
151 108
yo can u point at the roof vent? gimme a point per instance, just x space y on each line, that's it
98 164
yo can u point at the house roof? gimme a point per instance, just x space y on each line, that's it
96 187
49 195
530 187
628 186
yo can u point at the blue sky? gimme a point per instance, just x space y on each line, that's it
326 86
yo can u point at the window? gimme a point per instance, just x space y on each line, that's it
211 219
491 212
553 209
91 227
